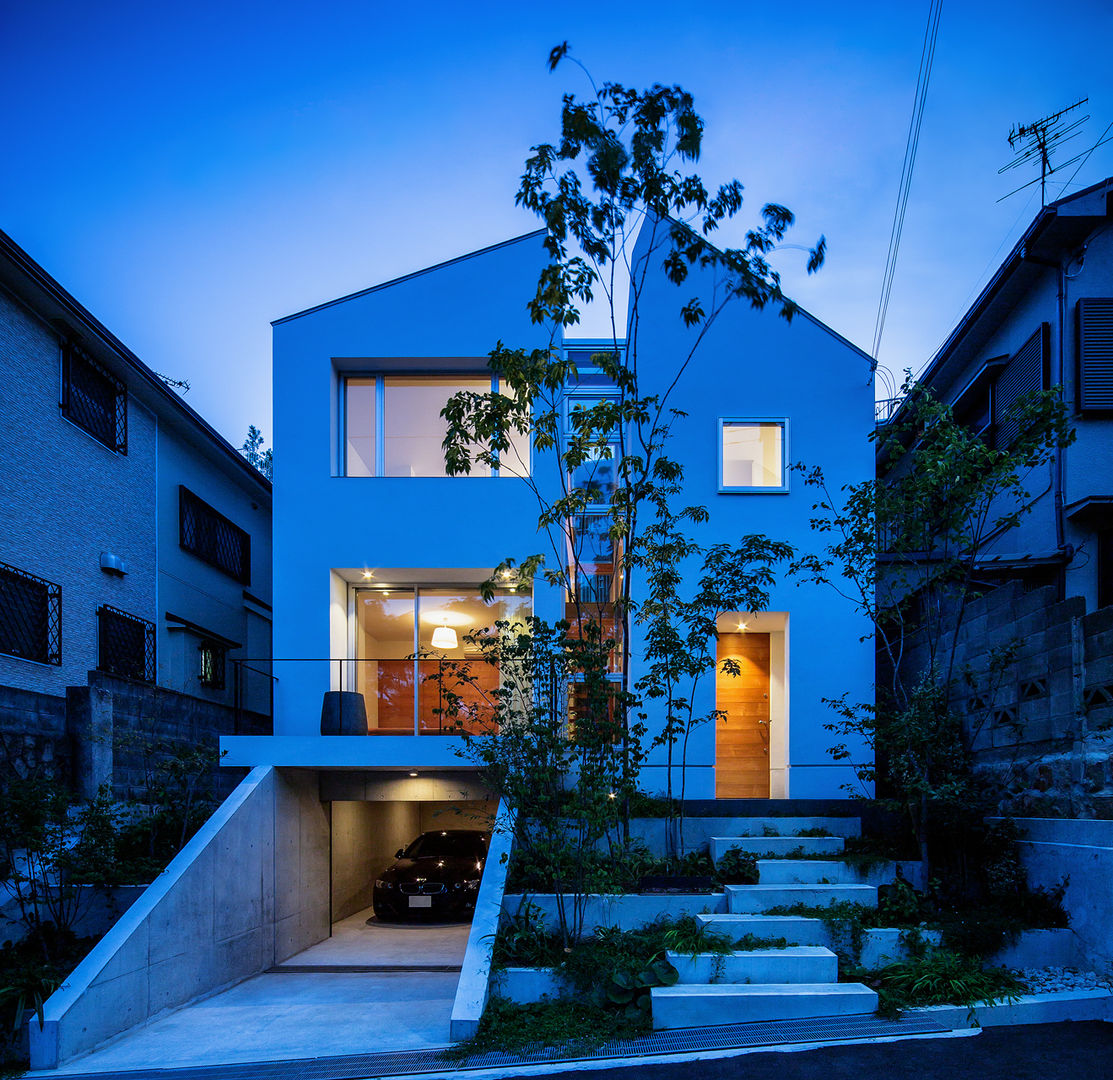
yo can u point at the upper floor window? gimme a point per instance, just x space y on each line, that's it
30 616
210 536
1095 355
393 425
1025 372
94 399
125 644
752 455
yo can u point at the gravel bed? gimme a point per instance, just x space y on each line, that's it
1048 979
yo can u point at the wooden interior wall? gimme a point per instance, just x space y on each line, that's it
742 738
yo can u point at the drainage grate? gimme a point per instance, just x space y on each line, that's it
412 1062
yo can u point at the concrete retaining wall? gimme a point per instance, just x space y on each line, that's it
249 889
627 911
1081 850
475 973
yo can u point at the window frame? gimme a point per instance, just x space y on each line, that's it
52 593
71 352
783 424
217 676
185 495
150 645
379 379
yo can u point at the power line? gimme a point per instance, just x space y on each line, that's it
927 57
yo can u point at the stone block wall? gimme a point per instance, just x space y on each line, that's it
33 733
104 732
1042 724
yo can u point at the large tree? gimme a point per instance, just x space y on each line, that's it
620 174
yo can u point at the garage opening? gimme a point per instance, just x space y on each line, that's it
421 916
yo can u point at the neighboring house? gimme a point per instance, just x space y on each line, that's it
376 548
1044 320
134 549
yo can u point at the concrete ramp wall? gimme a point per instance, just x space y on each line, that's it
250 888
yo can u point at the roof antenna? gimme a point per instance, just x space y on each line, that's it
1039 140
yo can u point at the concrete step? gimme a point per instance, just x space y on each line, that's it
754 899
776 845
795 929
796 964
790 826
814 871
684 1006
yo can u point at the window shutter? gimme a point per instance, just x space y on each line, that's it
1095 354
1025 372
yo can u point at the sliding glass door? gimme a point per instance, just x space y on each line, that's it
413 656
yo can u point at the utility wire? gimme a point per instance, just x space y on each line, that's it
927 56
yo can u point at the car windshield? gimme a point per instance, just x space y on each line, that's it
435 845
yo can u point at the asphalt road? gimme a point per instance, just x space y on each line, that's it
1070 1051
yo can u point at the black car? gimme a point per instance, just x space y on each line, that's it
436 876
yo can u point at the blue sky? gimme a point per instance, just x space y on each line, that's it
190 172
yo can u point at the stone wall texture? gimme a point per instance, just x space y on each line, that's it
1042 723
108 731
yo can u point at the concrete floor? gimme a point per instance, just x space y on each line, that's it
283 1014
362 940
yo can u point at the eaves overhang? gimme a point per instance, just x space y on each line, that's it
1053 232
35 288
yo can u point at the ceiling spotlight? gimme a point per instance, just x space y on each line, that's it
413 774
368 575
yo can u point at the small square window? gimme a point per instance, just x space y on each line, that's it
212 663
752 456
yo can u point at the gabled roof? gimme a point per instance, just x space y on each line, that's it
409 277
1056 230
24 278
798 310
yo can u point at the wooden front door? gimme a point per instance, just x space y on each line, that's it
742 735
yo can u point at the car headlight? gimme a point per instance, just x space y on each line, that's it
380 884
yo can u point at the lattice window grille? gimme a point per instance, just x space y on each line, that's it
94 399
210 536
30 616
1024 373
125 644
1095 354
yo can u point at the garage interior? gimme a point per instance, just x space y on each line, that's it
372 815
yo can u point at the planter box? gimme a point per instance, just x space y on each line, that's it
527 985
626 911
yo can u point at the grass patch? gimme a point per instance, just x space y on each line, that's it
566 1024
940 977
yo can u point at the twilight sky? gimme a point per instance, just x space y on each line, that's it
190 172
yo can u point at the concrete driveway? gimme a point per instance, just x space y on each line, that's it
360 991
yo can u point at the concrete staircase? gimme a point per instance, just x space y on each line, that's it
791 983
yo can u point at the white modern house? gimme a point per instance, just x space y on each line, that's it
375 547
378 559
